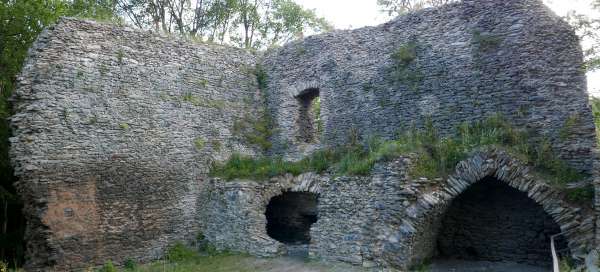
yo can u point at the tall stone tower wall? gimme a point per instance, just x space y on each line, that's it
114 132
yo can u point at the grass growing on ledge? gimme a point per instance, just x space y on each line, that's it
437 156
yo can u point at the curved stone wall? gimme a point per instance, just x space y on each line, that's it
113 134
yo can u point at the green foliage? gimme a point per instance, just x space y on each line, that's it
199 143
595 102
206 103
580 194
436 156
108 267
256 129
587 27
204 246
565 266
243 23
124 126
486 41
261 77
130 265
203 82
423 267
180 253
216 145
398 7
404 69
316 112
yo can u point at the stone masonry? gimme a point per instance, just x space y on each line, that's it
115 130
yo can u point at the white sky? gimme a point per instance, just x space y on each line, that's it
348 14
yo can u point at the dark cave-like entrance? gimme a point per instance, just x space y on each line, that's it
492 221
290 215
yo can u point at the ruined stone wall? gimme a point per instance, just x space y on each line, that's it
473 59
114 132
392 219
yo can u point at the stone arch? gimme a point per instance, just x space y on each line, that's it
415 241
308 184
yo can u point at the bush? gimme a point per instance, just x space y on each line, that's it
130 264
108 267
179 252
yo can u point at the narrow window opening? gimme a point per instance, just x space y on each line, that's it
309 120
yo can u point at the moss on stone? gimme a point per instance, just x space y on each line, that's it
404 69
199 143
486 41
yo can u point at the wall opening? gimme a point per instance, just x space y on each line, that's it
309 117
290 215
492 221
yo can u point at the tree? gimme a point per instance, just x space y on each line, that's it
21 22
242 23
588 29
397 7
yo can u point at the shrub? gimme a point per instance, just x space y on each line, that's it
179 253
130 264
108 267
199 143
402 70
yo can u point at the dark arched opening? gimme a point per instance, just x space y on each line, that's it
492 221
290 215
309 119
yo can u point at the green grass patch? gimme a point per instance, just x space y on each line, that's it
436 156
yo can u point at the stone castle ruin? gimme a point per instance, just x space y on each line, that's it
115 131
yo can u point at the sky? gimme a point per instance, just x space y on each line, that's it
349 14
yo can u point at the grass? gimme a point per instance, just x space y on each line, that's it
180 258
436 156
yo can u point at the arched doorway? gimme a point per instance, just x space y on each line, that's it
290 216
491 221
417 239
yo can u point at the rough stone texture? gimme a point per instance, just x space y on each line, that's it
114 131
391 219
476 58
494 222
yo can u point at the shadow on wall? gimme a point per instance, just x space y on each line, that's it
290 216
309 124
492 221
